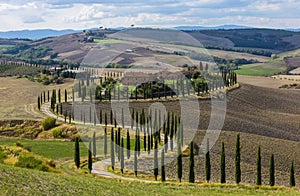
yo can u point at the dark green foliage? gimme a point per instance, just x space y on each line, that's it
223 165
77 153
66 95
135 161
112 150
128 144
292 175
39 103
237 160
155 159
272 171
90 160
105 141
191 164
179 157
258 167
30 162
59 96
122 155
94 145
48 123
163 172
207 163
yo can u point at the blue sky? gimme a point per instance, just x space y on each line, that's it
82 14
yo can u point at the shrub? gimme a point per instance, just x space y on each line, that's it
30 162
48 123
57 133
3 155
18 144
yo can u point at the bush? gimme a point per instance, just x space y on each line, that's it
3 155
57 133
31 162
48 123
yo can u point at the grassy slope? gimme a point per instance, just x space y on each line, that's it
48 149
16 181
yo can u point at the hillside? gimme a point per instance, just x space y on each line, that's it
73 47
16 181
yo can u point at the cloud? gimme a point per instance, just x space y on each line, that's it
80 14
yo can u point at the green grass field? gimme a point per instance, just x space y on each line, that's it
17 181
48 149
262 69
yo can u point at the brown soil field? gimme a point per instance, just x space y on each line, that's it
250 109
269 82
284 152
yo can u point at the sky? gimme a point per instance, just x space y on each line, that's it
84 14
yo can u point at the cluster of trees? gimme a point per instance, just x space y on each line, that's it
117 146
243 50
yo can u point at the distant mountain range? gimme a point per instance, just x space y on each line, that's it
43 33
226 27
35 34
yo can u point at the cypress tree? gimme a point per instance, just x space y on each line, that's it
223 165
163 173
179 157
237 160
48 97
39 103
292 175
207 163
77 153
191 164
155 159
44 96
122 155
105 142
135 163
94 145
112 150
272 171
59 98
73 95
258 167
66 96
100 117
90 161
128 144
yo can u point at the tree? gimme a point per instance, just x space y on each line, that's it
191 164
292 175
59 98
112 150
94 145
122 155
258 167
179 157
105 141
237 160
77 153
272 171
163 172
128 144
223 165
39 103
90 161
66 96
207 163
155 159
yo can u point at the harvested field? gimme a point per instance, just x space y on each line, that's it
250 109
284 152
19 98
269 82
